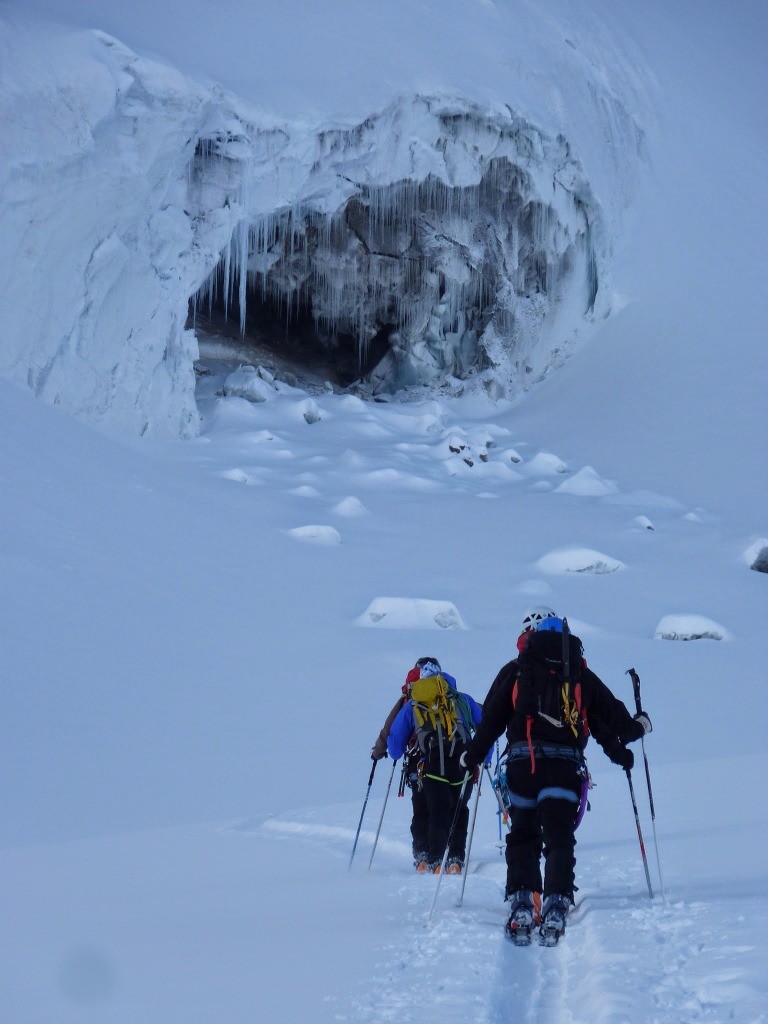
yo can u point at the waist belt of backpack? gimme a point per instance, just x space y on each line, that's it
518 751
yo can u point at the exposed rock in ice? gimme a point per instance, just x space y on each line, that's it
583 560
690 627
410 613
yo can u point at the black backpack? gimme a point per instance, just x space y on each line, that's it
547 692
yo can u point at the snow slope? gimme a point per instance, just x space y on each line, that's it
195 660
189 699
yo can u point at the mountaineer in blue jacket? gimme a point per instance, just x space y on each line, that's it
442 720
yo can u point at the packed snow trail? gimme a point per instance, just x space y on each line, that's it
692 960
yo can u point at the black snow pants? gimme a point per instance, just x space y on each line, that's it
419 823
544 807
442 799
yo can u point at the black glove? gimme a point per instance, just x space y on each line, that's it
623 757
643 720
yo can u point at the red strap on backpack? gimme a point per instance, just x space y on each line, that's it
528 729
582 712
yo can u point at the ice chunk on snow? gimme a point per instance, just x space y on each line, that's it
240 476
587 484
246 383
323 535
756 555
690 627
410 613
578 560
350 506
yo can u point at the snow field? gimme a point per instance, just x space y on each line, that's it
188 705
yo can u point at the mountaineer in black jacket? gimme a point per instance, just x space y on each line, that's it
548 702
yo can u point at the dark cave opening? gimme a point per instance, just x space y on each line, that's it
281 337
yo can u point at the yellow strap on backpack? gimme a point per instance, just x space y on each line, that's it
429 699
571 710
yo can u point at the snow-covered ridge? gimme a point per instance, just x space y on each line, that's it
435 239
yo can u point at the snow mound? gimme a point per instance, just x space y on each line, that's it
350 507
239 476
756 555
305 491
247 383
325 536
584 560
643 522
546 464
410 613
690 627
587 483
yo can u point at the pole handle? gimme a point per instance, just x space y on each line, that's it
635 688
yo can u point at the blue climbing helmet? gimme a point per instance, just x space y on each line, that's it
551 623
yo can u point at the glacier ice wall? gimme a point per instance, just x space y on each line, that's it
460 237
458 233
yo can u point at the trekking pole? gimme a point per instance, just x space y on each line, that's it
362 813
448 845
381 817
469 841
638 704
639 833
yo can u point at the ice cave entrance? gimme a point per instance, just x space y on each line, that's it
400 285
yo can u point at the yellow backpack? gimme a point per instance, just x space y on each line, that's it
437 719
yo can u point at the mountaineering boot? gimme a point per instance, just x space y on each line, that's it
421 862
454 866
553 915
423 867
520 921
537 908
436 868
